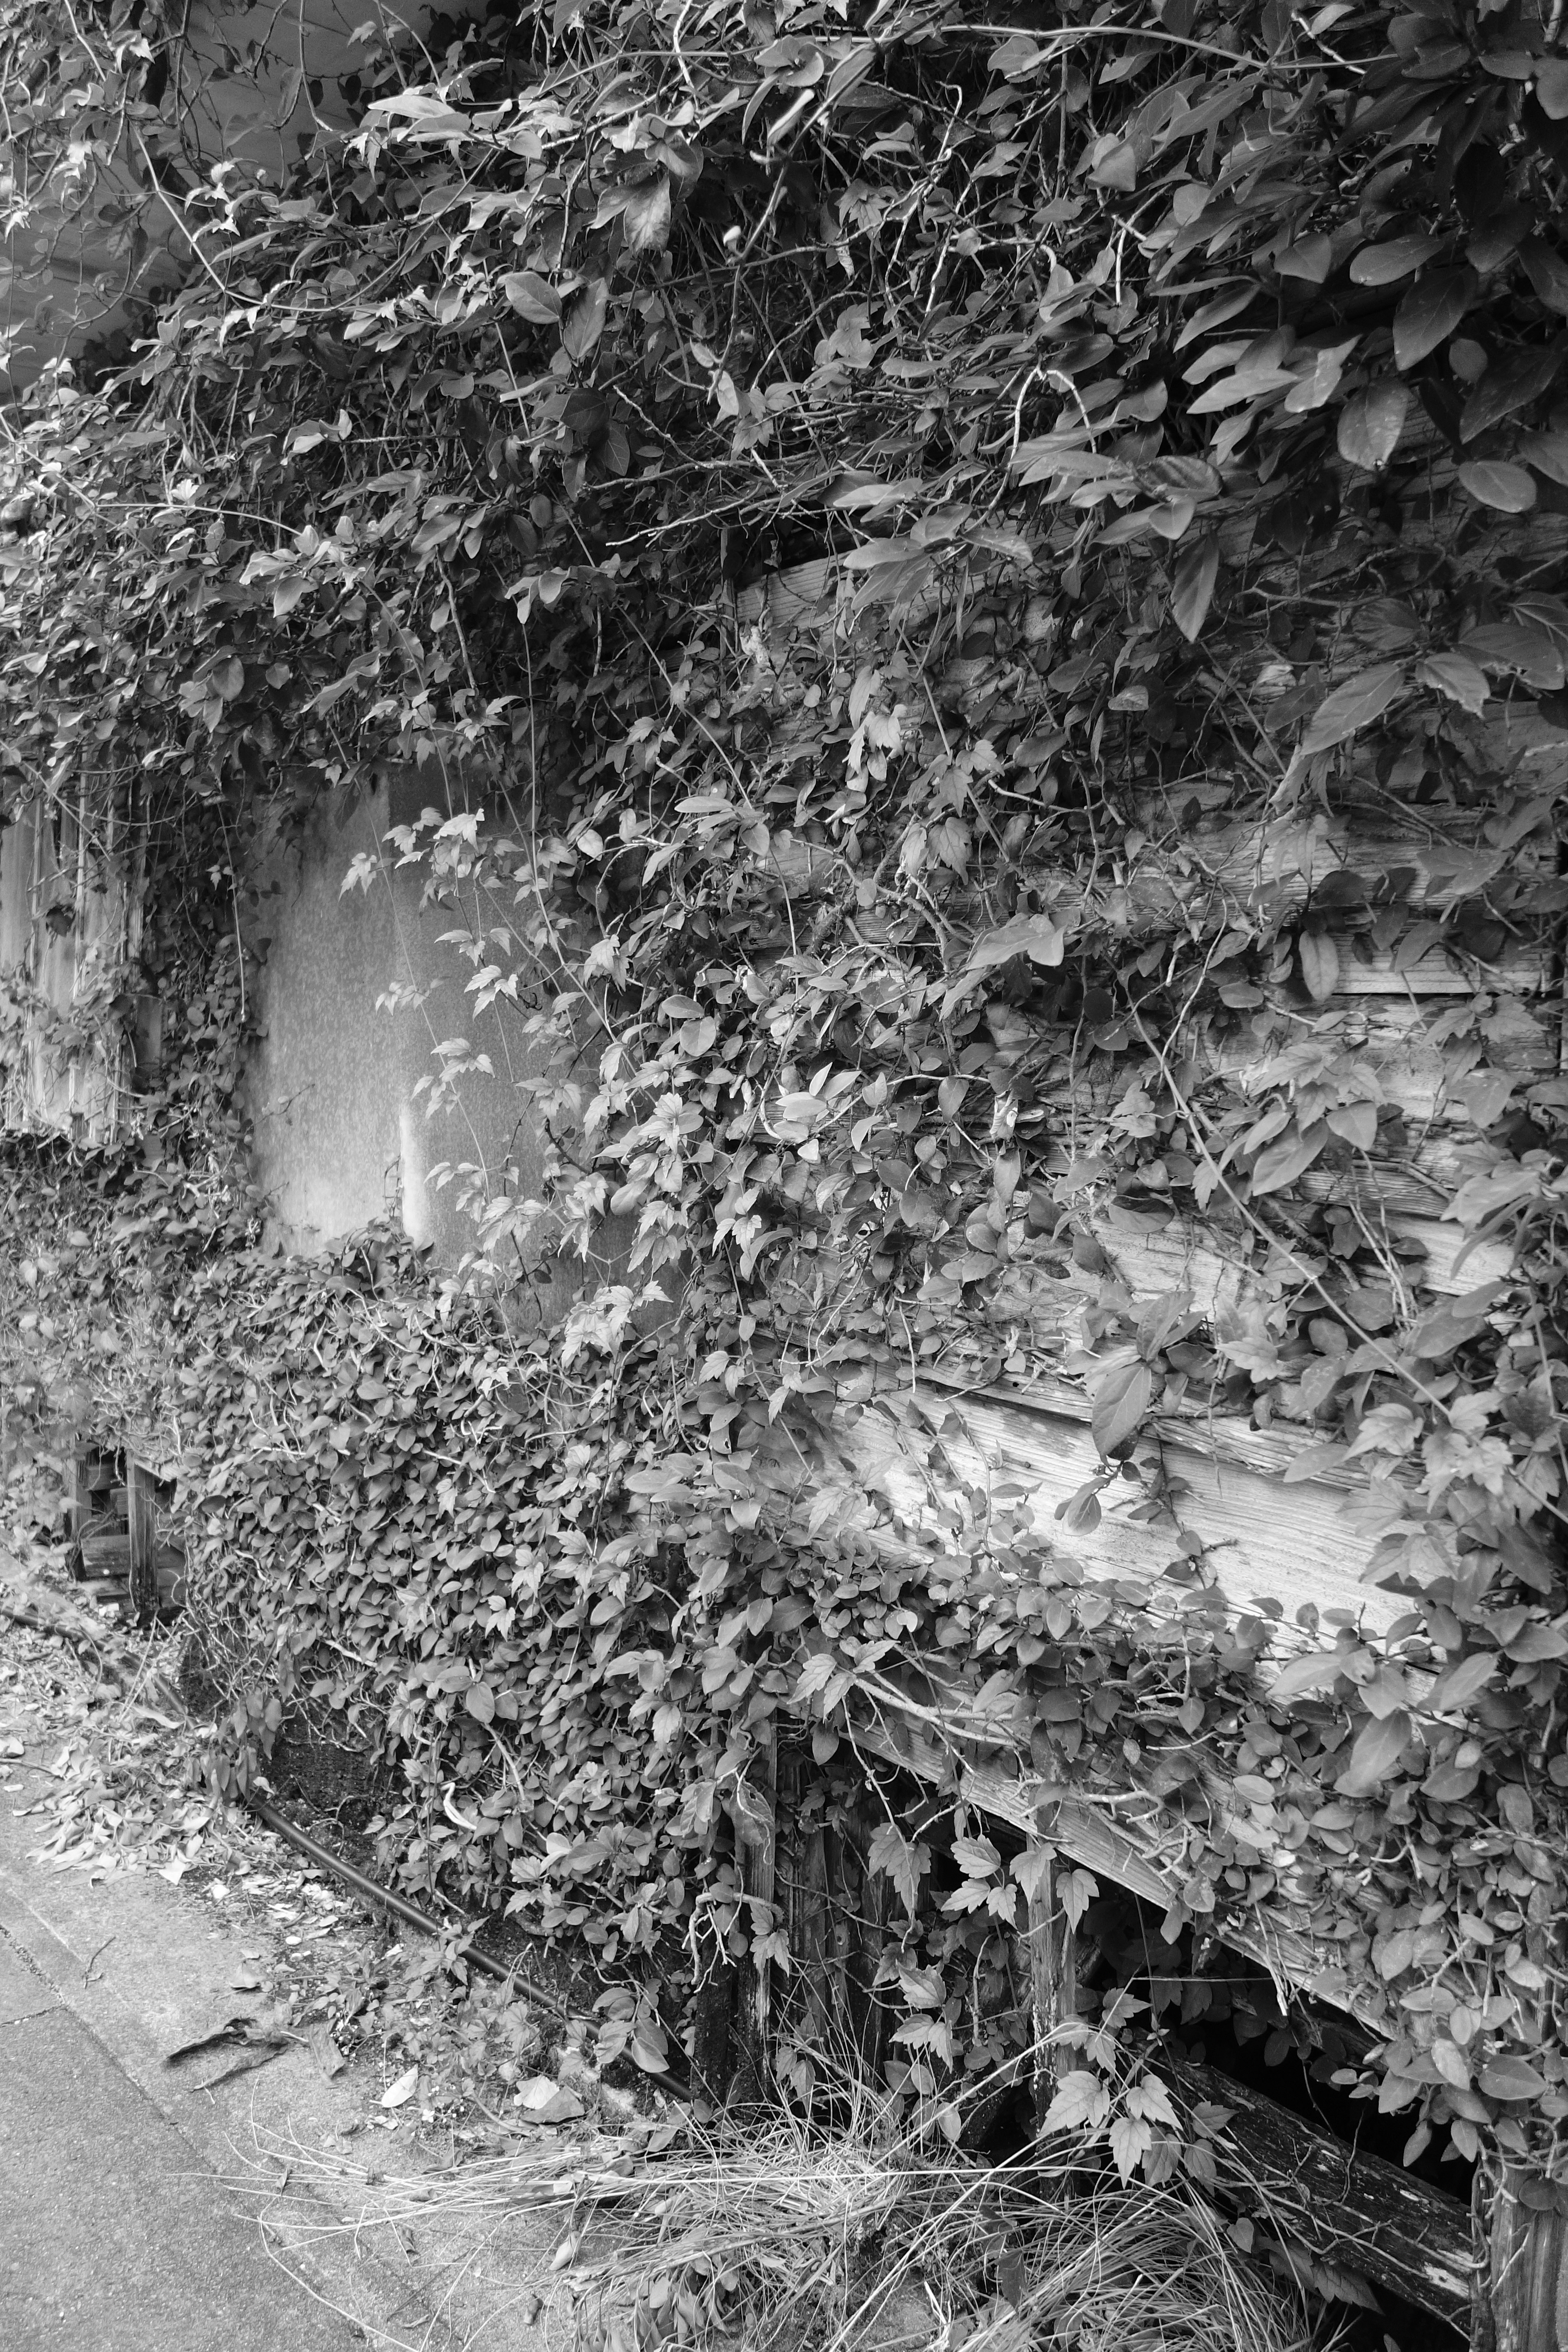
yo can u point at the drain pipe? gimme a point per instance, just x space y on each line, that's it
325 1859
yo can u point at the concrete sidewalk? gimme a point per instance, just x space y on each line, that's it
120 2227
114 2234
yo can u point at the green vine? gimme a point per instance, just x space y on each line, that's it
998 589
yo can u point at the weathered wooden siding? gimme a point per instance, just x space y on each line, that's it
980 1419
62 1059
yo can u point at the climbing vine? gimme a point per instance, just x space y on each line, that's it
984 610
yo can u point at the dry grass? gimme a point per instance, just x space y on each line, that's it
778 2239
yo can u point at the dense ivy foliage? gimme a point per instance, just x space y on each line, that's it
924 540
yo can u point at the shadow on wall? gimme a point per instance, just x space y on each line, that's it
341 1133
251 86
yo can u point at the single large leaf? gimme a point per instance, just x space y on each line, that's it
1371 424
1548 453
584 322
1460 1684
1401 256
1547 271
1353 705
1115 165
645 216
1034 936
1280 1163
1458 677
1121 1401
1191 592
1430 313
531 297
1319 965
1493 482
1516 645
1552 88
1509 386
1378 1747
1318 373
1311 259
904 1861
1081 2098
1512 2078
1319 1671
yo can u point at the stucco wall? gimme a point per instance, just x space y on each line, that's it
341 1133
252 86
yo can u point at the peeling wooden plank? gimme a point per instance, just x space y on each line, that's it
1150 1257
1354 2212
1219 1438
1123 1836
904 1478
1524 2306
1523 970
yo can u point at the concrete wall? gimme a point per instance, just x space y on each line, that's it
252 86
341 1133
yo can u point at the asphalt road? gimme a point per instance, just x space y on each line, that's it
114 2235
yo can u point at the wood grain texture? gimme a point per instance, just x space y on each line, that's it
754 1817
1053 1984
1354 2212
907 1477
1523 2306
1124 1835
141 1496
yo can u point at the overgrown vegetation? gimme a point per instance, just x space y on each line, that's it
981 576
865 2237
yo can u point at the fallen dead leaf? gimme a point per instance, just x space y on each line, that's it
402 2090
326 2053
546 2102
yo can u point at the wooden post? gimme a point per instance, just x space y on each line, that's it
141 1488
79 1507
802 1874
1053 1976
753 1816
1521 2299
711 2027
875 1900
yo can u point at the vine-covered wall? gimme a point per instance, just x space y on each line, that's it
1015 580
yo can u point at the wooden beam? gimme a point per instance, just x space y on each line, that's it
1522 2302
894 1469
1128 1849
1353 2211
